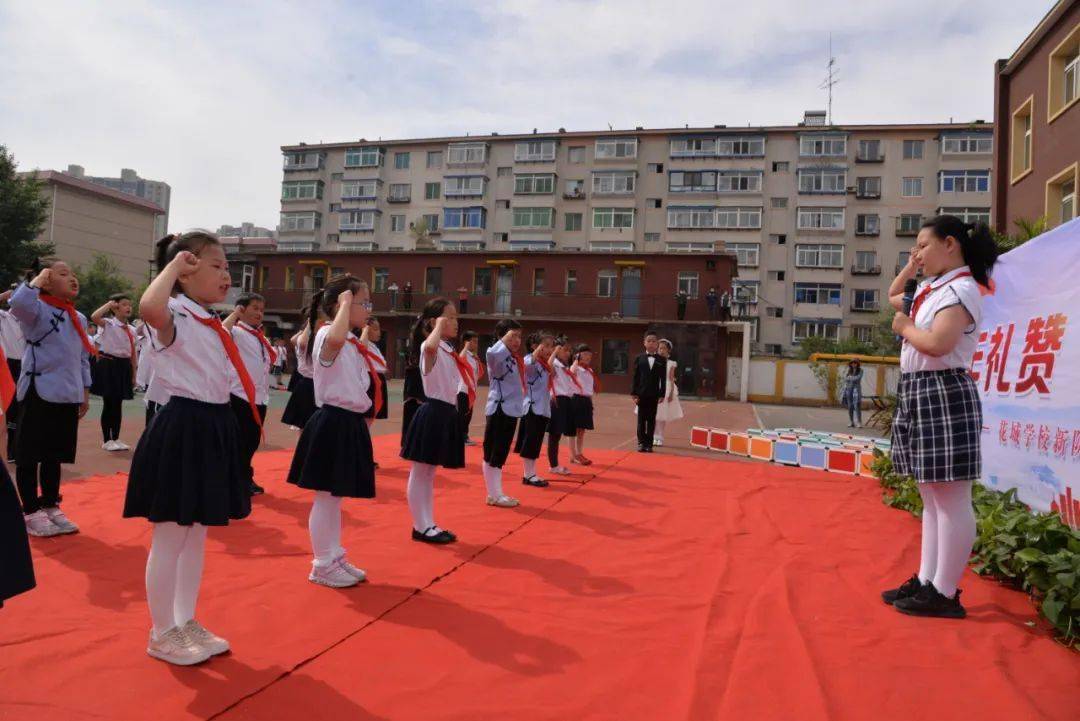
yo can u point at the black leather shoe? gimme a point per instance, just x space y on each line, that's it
535 482
440 538
641 449
908 589
255 489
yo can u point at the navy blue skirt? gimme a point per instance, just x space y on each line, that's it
111 378
301 403
16 564
583 412
434 436
334 455
530 437
562 417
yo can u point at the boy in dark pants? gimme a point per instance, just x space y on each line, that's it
650 381
245 324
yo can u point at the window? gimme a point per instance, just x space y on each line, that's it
864 299
432 222
613 183
738 218
781 166
773 349
482 281
969 143
432 191
863 333
302 161
657 168
697 182
821 219
533 217
902 259
652 237
358 220
869 224
576 154
1061 196
747 253
534 184
691 217
912 188
615 357
822 180
819 255
401 161
605 284
461 186
291 222
397 223
818 293
868 187
615 148
456 218
290 278
1064 75
302 190
803 329
571 281
777 275
913 149
779 203
318 276
691 246
780 239
869 151
264 277
432 280
466 154
908 224
363 157
434 158
380 278
538 281
534 151
1020 145
359 189
688 283
613 218
965 181
693 147
968 215
822 145
573 221
865 260
738 181
744 291
740 147
400 193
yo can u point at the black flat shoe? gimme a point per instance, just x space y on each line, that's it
255 489
908 589
641 449
440 538
535 482
930 603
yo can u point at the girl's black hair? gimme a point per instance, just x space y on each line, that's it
422 327
326 300
506 325
581 348
977 244
117 297
170 246
537 338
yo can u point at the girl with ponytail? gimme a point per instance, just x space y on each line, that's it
938 423
333 457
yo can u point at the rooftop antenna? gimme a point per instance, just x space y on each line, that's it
831 79
610 126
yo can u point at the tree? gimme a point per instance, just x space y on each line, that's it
421 233
98 281
23 211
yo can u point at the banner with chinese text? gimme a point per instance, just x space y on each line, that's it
1027 367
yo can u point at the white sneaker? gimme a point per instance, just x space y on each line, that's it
176 647
658 440
333 576
358 573
60 520
503 501
561 471
121 446
107 446
114 446
39 525
210 641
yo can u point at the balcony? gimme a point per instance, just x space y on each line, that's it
399 198
866 308
574 195
866 270
870 158
298 246
868 232
906 231
868 194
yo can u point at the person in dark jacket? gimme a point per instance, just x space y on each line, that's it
650 384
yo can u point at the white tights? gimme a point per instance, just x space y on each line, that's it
492 480
324 525
658 432
421 495
948 532
173 573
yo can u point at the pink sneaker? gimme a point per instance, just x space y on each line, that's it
333 576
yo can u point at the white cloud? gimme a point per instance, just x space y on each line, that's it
202 95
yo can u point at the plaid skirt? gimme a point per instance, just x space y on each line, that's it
937 428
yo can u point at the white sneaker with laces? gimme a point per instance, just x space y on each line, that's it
60 520
503 501
176 647
358 573
203 637
39 525
333 576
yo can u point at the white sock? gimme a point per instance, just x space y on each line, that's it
166 544
956 533
492 480
189 572
928 561
530 467
324 525
421 495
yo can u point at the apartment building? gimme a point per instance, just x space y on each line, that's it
819 216
157 192
1037 107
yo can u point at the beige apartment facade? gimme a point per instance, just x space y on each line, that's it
85 219
819 216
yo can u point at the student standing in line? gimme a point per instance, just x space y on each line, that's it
650 374
565 386
13 344
302 384
114 370
505 404
583 401
469 345
537 407
245 324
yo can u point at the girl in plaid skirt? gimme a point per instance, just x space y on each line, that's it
938 421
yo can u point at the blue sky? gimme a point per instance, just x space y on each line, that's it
202 94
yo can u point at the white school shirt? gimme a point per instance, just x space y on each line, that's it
149 362
474 363
585 378
11 336
344 381
442 377
948 290
303 363
112 340
256 360
195 364
563 385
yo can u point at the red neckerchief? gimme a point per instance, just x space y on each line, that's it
130 337
234 357
479 368
257 332
73 315
521 373
465 370
371 359
595 378
551 377
930 288
574 380
7 384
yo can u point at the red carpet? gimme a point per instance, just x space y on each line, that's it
661 588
